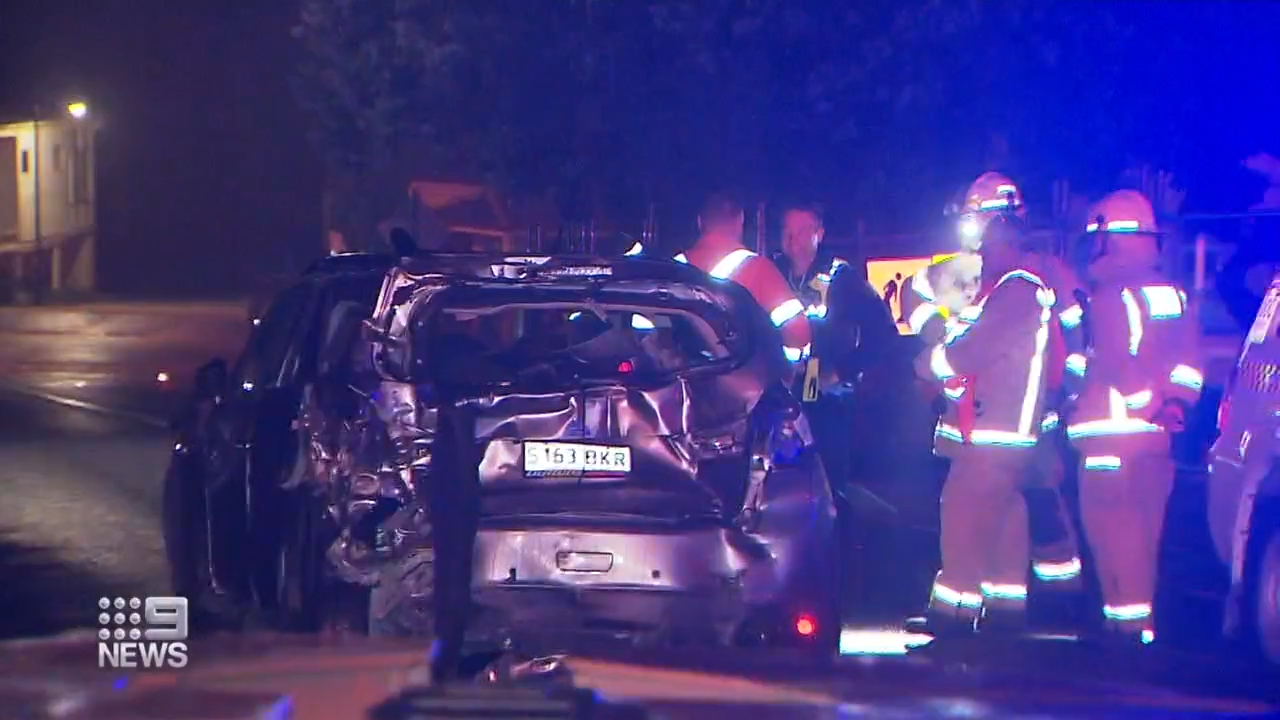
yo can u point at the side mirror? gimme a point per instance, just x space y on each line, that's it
211 379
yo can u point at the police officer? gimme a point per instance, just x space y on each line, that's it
1141 377
829 289
852 331
991 369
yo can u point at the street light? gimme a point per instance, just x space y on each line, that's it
77 110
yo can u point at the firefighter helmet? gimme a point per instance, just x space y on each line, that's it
991 194
1124 231
1123 211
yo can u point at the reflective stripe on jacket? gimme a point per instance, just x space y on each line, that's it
771 292
1146 352
992 366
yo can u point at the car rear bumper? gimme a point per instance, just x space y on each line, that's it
697 583
543 615
693 560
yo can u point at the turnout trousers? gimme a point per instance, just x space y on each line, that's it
1122 504
1055 549
985 545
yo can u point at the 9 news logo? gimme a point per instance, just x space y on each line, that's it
148 633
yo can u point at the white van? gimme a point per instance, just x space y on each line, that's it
1244 483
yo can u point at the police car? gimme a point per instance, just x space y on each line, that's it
1244 484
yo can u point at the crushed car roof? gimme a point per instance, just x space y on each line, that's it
513 266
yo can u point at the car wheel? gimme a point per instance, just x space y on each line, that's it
1266 598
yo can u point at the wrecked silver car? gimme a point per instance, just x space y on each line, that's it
636 463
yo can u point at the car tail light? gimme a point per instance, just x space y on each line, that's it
805 626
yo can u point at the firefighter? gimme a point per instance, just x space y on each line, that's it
1141 377
992 372
941 292
720 253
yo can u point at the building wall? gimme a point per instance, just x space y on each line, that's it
67 190
8 189
65 259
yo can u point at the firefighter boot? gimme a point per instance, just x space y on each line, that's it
1054 551
1002 621
943 625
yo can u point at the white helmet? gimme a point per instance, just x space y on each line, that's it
1124 227
1123 211
990 194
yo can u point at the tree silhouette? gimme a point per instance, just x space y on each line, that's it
614 104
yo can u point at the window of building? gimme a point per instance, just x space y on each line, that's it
26 162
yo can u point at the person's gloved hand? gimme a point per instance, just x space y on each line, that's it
833 384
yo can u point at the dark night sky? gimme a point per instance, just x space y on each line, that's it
204 166
1213 68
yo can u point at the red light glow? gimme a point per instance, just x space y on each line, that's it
625 366
806 626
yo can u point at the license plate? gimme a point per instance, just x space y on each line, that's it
560 458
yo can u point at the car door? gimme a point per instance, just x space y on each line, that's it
275 452
242 423
1249 419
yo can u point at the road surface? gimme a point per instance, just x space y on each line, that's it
82 486
80 518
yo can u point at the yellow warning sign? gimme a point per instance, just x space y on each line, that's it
889 277
811 380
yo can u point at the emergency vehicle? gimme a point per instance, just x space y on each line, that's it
1243 488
